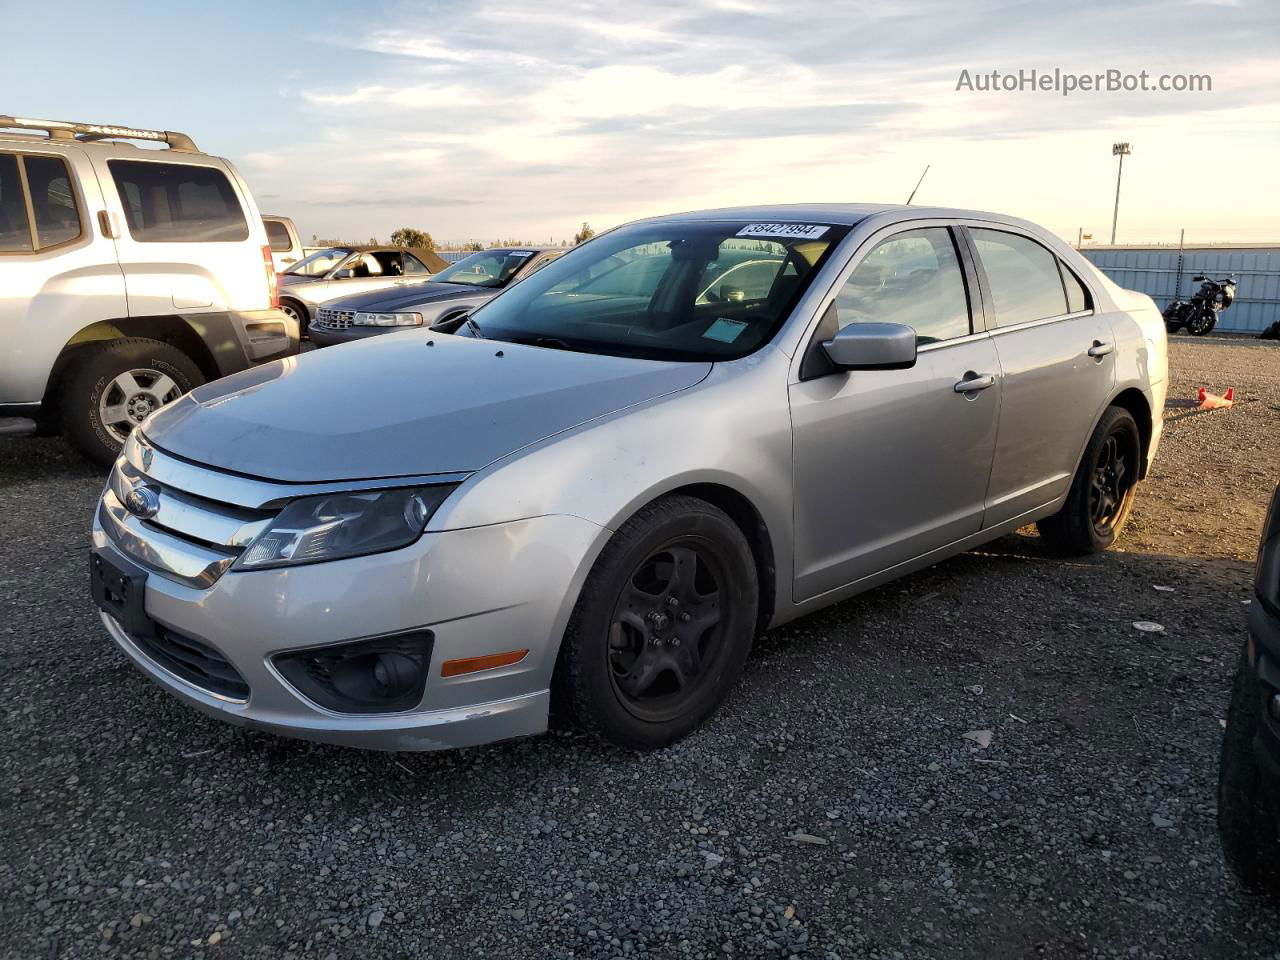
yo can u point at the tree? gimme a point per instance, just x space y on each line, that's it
585 234
474 245
409 237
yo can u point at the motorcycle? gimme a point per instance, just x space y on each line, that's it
1200 314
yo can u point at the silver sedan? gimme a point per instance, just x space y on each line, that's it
618 472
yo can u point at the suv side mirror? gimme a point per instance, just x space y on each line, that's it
872 346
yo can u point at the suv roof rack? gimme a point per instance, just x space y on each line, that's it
86 132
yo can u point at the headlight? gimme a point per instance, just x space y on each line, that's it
338 525
388 320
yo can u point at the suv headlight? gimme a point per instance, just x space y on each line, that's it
387 320
337 525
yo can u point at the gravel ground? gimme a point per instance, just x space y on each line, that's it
833 808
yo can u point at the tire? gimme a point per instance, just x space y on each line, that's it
1246 822
1202 323
1091 519
637 670
95 385
292 308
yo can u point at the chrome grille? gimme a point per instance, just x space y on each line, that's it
333 319
186 536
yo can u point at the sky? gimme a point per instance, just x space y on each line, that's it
489 121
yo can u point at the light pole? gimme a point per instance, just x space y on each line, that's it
1120 150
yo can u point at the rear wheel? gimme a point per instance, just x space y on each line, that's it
1246 824
1102 492
663 626
116 385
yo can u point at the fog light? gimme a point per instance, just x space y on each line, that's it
1274 707
379 675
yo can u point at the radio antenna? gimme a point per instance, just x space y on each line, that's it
918 182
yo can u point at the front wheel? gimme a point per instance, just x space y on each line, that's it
116 385
662 628
1202 322
296 312
1246 824
1102 491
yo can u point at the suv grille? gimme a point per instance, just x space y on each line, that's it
195 662
335 319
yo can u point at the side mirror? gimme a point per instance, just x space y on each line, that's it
873 346
346 273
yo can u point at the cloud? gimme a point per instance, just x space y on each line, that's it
494 118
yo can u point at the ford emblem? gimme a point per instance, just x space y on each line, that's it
142 501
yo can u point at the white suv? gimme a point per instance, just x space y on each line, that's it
129 276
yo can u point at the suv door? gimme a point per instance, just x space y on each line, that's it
891 464
1056 364
186 243
58 275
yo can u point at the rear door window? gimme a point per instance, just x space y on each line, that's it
178 203
1024 278
15 230
53 201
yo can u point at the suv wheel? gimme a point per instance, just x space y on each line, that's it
114 386
1102 492
1246 825
662 628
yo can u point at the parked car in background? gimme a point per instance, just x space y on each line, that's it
127 277
282 237
445 297
1249 769
341 271
618 472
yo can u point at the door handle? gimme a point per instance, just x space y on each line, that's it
973 383
1100 349
104 224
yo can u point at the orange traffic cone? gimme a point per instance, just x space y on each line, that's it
1211 401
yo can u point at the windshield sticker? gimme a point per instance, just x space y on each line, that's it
790 231
726 331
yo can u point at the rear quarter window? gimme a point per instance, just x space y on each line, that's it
178 203
278 236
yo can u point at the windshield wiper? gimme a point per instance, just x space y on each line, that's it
473 327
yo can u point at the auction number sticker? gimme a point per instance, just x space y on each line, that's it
789 231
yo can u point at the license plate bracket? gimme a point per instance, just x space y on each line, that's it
121 590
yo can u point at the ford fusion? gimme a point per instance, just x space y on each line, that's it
445 297
611 477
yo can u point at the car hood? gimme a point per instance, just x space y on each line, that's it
403 404
404 295
291 279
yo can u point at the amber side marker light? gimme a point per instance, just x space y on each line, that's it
454 668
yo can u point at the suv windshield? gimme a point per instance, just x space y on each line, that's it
492 268
684 290
319 263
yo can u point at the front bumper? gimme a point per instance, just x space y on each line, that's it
479 591
323 336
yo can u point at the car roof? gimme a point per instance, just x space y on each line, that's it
844 214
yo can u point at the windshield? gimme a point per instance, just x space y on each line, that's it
491 268
320 262
687 290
